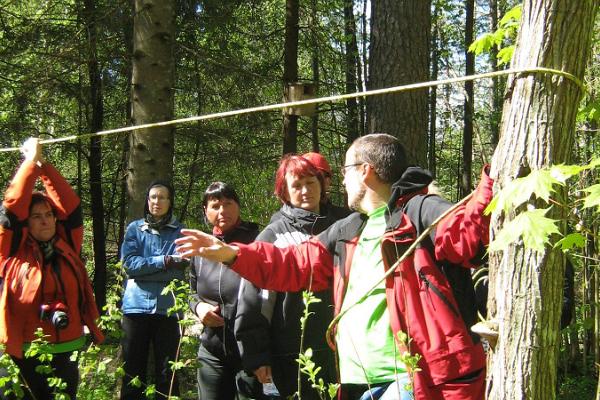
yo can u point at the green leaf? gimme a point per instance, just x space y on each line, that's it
593 198
505 55
512 15
482 44
532 226
570 241
563 172
539 183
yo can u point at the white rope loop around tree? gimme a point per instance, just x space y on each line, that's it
336 98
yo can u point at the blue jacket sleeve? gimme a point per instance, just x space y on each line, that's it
133 256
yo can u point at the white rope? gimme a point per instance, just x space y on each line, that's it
394 89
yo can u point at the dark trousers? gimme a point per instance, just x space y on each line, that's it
221 379
142 331
36 385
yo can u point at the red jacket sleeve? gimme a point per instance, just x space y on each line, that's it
285 270
461 236
66 204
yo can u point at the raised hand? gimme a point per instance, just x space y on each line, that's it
198 243
32 150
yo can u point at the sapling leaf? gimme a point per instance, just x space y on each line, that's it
570 241
532 226
593 198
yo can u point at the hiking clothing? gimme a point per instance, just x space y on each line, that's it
219 358
146 320
366 348
143 254
31 279
268 323
140 333
420 299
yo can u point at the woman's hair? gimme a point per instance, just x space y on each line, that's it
219 190
295 165
38 198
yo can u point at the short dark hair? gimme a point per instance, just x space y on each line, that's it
38 198
384 153
219 190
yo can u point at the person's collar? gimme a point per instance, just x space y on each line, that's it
218 232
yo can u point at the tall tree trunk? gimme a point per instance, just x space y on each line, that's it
431 160
95 161
128 39
399 54
290 71
496 85
537 130
151 150
468 107
315 70
364 116
351 70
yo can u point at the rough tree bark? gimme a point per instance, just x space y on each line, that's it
537 130
290 71
95 157
399 54
151 150
469 104
351 55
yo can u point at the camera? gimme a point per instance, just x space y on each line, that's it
55 312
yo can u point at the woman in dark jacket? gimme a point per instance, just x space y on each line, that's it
268 323
149 261
214 301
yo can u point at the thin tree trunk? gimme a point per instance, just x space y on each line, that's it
95 161
351 70
496 85
128 39
365 122
468 107
290 72
431 160
537 130
399 54
151 150
316 77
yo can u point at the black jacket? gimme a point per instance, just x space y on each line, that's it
268 323
214 283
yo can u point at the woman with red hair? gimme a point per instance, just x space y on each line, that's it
268 323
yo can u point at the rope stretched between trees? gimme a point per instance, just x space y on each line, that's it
270 107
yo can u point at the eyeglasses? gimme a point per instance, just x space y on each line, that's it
343 169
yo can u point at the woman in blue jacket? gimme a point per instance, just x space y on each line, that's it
148 258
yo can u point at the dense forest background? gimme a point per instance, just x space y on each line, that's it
68 67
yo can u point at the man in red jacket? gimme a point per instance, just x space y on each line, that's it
45 283
417 299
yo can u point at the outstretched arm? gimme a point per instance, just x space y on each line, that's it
198 243
268 267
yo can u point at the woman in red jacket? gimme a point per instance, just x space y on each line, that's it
45 284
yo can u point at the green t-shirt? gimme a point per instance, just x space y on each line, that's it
364 338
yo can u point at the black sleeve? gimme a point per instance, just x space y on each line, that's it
253 319
194 299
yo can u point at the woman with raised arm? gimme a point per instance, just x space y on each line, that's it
44 281
214 301
268 323
149 259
